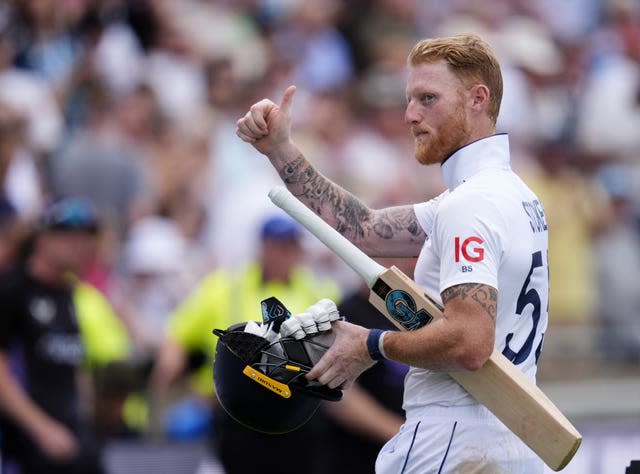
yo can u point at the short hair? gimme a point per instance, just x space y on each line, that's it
470 58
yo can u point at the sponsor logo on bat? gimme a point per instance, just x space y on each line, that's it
401 306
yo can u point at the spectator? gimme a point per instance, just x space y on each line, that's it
32 97
617 256
222 299
175 71
575 218
320 55
104 164
154 279
42 346
616 61
46 42
11 222
30 123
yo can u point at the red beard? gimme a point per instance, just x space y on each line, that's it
452 134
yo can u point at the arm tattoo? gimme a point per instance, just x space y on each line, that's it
300 172
392 221
323 197
351 217
486 296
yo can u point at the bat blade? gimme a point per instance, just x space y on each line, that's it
509 394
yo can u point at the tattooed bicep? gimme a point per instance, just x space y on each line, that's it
394 222
484 295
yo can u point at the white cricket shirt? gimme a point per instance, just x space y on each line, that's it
488 227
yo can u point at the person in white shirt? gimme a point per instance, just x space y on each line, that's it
482 247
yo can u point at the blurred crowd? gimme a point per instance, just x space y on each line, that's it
132 105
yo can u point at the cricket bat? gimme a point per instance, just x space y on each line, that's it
499 385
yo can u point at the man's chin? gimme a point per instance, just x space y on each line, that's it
427 157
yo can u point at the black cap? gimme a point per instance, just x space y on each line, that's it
72 213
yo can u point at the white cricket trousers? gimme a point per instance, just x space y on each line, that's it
448 440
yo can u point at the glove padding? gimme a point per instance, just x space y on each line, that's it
312 328
317 318
289 354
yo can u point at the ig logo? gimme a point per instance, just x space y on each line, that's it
470 252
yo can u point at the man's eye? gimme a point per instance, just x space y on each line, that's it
427 98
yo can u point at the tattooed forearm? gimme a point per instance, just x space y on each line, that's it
388 232
351 216
486 296
306 183
343 210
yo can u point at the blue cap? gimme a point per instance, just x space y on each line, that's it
72 213
280 228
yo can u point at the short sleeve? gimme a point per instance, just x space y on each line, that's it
468 234
426 212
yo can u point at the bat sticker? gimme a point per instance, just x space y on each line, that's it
402 307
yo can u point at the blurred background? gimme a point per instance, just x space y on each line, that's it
133 104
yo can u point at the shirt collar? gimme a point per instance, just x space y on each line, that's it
488 152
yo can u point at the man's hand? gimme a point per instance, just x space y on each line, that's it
266 125
346 359
56 441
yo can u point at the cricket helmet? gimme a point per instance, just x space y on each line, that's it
261 384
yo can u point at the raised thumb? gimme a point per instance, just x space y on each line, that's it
287 99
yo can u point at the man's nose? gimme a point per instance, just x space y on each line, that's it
411 115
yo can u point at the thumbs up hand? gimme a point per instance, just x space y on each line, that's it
267 125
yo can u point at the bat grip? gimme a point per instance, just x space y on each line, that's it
361 263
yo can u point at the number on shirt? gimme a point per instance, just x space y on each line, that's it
528 296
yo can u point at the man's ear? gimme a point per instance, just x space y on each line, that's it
479 95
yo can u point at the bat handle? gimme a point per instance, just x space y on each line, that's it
361 263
